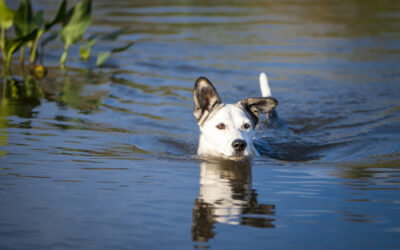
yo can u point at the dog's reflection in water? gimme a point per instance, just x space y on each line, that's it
226 196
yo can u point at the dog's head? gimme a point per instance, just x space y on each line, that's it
226 129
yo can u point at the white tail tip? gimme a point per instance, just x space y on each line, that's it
265 90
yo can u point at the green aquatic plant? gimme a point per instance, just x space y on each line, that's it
12 45
104 55
74 26
25 23
6 16
30 26
6 19
28 29
86 49
58 18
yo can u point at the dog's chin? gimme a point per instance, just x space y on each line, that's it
237 157
232 156
218 157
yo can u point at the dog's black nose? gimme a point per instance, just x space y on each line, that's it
239 145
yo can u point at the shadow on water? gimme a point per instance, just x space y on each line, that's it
290 149
226 195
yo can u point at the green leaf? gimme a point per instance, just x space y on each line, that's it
78 19
6 15
12 45
38 19
102 57
59 17
23 18
84 53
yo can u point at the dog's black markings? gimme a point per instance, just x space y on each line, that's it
205 98
257 105
207 101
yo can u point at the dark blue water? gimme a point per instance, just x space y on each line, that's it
106 159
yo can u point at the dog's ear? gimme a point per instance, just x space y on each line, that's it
258 105
205 97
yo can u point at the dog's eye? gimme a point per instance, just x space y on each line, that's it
221 126
246 126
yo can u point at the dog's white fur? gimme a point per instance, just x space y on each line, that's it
210 112
214 141
264 86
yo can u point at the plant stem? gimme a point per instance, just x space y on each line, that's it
21 56
34 47
64 56
3 42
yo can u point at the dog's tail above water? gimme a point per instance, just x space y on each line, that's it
265 90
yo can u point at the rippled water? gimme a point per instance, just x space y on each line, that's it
106 159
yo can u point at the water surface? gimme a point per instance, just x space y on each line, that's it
106 159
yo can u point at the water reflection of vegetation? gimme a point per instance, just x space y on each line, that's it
164 90
383 166
70 96
21 96
226 196
17 98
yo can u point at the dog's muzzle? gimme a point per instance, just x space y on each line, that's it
239 145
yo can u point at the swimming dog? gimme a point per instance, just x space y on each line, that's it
227 130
